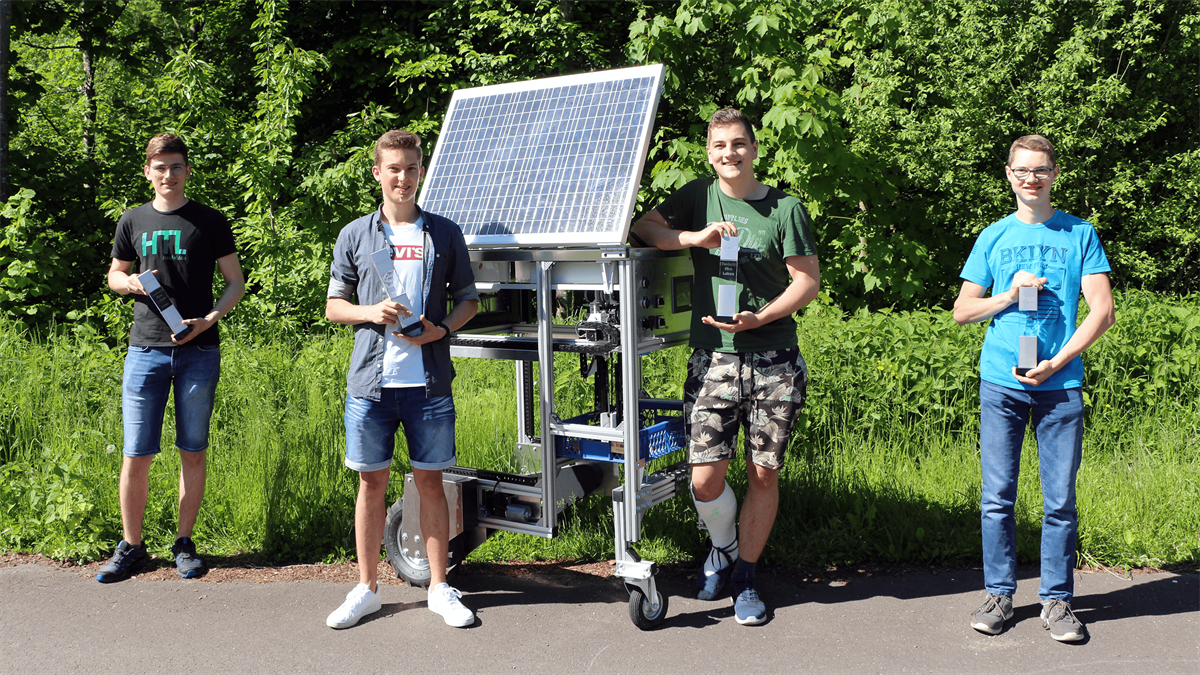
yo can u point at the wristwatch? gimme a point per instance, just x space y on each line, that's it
445 328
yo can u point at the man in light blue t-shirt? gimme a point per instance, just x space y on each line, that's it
1061 256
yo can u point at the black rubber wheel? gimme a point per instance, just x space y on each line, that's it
644 615
411 569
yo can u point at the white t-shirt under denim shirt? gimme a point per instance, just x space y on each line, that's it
402 363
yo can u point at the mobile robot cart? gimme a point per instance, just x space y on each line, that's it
542 177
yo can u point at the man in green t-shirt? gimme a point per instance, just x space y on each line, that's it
753 243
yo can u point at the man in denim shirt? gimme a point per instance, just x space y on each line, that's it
400 378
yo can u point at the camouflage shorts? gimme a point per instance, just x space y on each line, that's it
761 391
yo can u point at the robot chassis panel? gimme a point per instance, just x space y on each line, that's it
640 303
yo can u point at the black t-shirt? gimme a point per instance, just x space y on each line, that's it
183 245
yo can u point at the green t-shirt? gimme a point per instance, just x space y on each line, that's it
771 229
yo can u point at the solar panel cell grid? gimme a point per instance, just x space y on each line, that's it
545 162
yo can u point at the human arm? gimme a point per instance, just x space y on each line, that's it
805 271
1097 292
457 318
121 281
972 307
654 230
235 288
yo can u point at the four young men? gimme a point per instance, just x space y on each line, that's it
745 371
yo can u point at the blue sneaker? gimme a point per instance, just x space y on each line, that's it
710 582
748 609
186 563
125 561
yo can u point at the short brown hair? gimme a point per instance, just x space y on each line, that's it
1035 143
397 139
166 144
729 116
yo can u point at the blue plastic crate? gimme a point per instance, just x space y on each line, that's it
661 438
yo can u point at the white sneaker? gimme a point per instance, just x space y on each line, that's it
359 602
443 599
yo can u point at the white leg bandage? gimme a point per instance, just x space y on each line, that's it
719 517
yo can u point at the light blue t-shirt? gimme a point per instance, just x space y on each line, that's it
1062 249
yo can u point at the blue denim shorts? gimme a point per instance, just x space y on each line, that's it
150 374
428 429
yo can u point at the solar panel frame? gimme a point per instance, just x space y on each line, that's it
549 162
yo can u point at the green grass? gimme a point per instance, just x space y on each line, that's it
883 465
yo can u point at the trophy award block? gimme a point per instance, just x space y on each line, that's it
163 303
381 260
1027 345
727 285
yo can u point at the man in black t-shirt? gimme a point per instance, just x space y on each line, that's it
180 241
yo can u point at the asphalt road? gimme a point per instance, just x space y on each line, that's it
58 621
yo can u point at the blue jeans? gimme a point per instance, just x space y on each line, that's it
1057 416
150 373
428 428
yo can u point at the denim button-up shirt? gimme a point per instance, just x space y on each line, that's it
446 273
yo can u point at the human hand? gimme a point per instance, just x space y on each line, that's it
198 326
1037 374
741 321
1024 278
430 332
134 285
710 237
386 312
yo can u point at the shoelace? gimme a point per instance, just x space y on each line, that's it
993 602
748 595
452 594
1059 610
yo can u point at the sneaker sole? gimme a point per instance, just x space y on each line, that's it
984 628
750 620
112 579
1068 637
457 624
347 624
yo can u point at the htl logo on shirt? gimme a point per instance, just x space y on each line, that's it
406 253
150 242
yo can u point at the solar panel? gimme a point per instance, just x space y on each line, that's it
547 162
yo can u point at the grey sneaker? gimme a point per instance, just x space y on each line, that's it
992 614
1058 618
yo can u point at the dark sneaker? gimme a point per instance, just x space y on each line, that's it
748 609
1058 618
186 562
715 570
990 616
125 561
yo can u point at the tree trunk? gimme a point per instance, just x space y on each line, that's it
89 97
5 25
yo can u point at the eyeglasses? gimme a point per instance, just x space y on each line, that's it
1040 173
161 170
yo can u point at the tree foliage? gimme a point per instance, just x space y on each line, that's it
889 118
892 119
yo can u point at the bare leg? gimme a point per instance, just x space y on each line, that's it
370 515
435 522
758 510
192 474
133 489
708 480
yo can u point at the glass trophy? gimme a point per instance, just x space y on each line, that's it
166 308
727 279
381 260
1027 345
